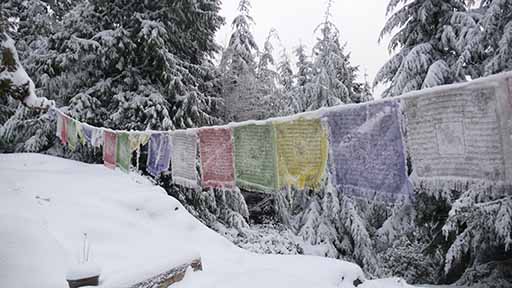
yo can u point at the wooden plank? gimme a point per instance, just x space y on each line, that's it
176 274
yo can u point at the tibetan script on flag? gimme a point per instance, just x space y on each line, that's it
456 133
367 153
301 152
184 151
216 154
255 158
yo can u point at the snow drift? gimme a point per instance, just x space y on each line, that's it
135 231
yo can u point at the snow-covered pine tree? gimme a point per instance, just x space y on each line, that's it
285 71
366 90
266 75
497 35
423 42
333 80
238 65
137 65
28 129
303 79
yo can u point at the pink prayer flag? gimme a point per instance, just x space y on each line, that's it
64 129
216 152
109 149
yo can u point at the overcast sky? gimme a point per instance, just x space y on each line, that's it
295 20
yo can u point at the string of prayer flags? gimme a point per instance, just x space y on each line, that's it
159 153
302 148
184 151
72 134
123 152
367 153
255 158
109 148
216 154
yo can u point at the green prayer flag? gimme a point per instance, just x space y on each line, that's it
124 152
72 134
255 158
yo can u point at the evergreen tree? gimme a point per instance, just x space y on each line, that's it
484 38
238 65
28 129
303 79
333 80
425 55
137 65
285 72
266 76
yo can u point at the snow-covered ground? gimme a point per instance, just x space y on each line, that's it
135 231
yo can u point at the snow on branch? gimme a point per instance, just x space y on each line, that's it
14 80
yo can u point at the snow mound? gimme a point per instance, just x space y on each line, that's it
134 231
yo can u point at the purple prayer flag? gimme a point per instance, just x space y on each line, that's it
367 154
87 133
159 153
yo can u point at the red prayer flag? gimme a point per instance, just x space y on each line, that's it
109 149
216 152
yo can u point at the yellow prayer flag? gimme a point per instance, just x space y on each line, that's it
302 147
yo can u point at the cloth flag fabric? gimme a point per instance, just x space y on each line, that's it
159 153
60 127
72 134
184 152
123 151
302 148
216 154
85 132
255 158
109 148
138 139
457 134
97 137
64 129
367 152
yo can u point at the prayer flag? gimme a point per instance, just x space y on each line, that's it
255 158
216 155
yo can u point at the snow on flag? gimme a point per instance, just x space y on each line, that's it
216 154
302 153
159 153
109 148
456 133
184 151
72 134
123 152
255 158
368 157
